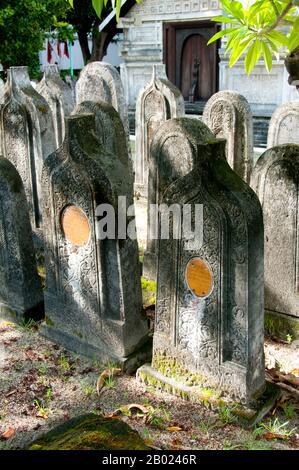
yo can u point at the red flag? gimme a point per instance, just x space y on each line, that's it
66 50
58 48
49 52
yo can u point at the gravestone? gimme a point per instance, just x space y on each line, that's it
20 289
99 81
109 129
209 307
59 97
155 191
158 101
228 116
93 297
1 90
275 179
26 136
284 125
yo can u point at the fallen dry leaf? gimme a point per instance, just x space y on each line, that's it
8 433
140 410
174 429
105 375
270 435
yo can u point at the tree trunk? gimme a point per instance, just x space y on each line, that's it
83 40
100 42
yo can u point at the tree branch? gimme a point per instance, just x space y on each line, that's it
279 18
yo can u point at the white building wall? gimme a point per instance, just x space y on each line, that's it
143 46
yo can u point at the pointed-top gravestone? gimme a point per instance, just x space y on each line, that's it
20 289
158 101
209 307
93 296
284 125
276 181
228 115
59 97
99 81
156 185
26 135
109 129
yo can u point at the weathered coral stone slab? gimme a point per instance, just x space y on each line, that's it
209 323
276 181
20 289
93 299
228 115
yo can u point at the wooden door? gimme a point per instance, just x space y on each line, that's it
193 67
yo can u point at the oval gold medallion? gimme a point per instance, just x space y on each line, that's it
199 277
75 225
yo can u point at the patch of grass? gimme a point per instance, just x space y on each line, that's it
109 382
276 428
87 388
42 369
28 324
149 289
247 445
18 366
207 425
289 410
64 363
226 414
49 394
43 411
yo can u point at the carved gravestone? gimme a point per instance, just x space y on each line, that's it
1 90
93 297
99 81
209 307
158 101
109 129
284 125
276 181
20 289
59 97
155 191
228 115
26 135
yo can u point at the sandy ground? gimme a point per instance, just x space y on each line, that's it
41 385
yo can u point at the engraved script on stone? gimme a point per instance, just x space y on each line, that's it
284 125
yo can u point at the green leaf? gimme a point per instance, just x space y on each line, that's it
224 19
71 3
220 34
230 42
238 51
98 6
117 9
253 55
267 56
293 40
278 38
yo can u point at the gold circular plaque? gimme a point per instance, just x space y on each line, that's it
199 277
75 225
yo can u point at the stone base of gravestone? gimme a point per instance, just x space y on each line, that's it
102 353
247 414
281 325
90 432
